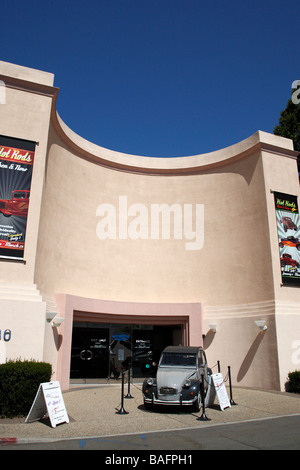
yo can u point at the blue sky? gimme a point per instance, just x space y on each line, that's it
160 78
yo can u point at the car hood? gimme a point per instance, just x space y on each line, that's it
173 377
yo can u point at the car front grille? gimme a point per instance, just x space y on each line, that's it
168 391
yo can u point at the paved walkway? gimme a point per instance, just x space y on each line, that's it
92 411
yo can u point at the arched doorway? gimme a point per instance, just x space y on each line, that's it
182 320
102 351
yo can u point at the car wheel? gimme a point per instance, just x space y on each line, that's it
197 403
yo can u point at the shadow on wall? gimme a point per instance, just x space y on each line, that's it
250 356
208 339
57 338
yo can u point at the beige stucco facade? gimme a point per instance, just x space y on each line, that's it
220 266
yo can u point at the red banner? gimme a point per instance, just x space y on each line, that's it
16 165
288 227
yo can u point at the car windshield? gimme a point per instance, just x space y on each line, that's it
181 360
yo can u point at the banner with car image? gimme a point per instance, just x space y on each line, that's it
288 227
16 165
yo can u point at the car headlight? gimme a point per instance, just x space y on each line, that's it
150 381
187 383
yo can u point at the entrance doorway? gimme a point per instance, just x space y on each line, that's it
103 351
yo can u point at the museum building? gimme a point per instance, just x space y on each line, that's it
106 258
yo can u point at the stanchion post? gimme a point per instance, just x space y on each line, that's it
230 388
219 368
122 410
203 417
128 386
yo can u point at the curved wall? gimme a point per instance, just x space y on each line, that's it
231 193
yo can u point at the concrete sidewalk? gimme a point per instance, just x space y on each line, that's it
92 411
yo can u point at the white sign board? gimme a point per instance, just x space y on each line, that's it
48 399
221 391
210 393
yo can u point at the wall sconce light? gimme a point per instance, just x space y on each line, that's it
50 316
57 322
213 328
261 324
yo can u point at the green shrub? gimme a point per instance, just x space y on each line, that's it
19 382
294 381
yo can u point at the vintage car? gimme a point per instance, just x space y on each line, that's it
17 205
286 259
288 224
178 378
290 241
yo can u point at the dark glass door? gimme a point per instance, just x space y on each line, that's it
89 353
105 351
142 357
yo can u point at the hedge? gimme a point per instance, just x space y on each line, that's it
19 382
294 381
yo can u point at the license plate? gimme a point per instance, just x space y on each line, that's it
168 391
